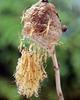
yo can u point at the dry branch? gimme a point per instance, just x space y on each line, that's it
57 75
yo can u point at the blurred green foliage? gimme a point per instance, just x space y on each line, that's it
68 54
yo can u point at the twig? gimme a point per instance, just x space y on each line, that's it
57 75
44 1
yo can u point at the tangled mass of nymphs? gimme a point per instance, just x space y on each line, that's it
43 27
30 72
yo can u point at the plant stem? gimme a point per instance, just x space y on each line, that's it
45 1
57 75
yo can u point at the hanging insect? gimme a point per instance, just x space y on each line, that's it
42 31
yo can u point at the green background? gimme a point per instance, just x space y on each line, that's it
68 53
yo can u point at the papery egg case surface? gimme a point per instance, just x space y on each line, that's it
42 24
